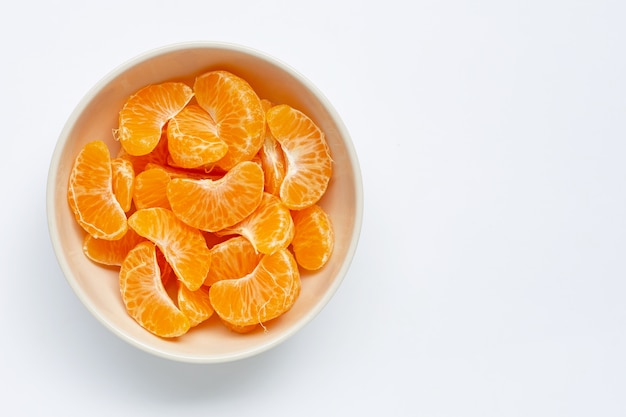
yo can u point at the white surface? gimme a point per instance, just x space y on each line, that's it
490 277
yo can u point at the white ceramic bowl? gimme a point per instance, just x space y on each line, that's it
96 116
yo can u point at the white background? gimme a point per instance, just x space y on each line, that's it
490 275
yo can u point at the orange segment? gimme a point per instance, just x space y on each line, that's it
237 112
175 172
212 205
123 181
158 156
266 104
110 252
90 193
266 293
212 239
192 138
273 163
233 258
145 113
269 228
239 329
314 239
271 157
145 297
183 246
168 277
151 189
195 304
309 163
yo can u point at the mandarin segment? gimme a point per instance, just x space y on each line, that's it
145 297
176 172
110 252
232 258
123 181
269 228
264 294
309 163
314 239
195 304
158 156
193 139
212 239
151 189
266 104
183 246
239 329
237 112
146 112
212 205
90 193
168 276
273 163
271 157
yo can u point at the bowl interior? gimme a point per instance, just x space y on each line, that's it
96 117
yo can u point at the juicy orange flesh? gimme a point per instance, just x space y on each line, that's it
314 239
193 139
145 297
239 329
144 114
237 112
212 205
266 293
309 164
158 156
269 228
90 193
203 207
110 252
231 259
273 163
271 157
123 181
195 304
183 246
151 189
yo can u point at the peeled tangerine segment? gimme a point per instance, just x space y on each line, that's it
233 258
273 162
267 292
212 205
123 181
195 304
183 246
309 163
237 112
269 227
144 295
151 189
90 193
110 252
192 138
314 239
146 112
158 156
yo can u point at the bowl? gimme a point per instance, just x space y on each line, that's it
95 117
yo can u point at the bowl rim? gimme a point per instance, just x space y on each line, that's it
52 181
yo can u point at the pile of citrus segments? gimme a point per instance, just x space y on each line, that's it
210 204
